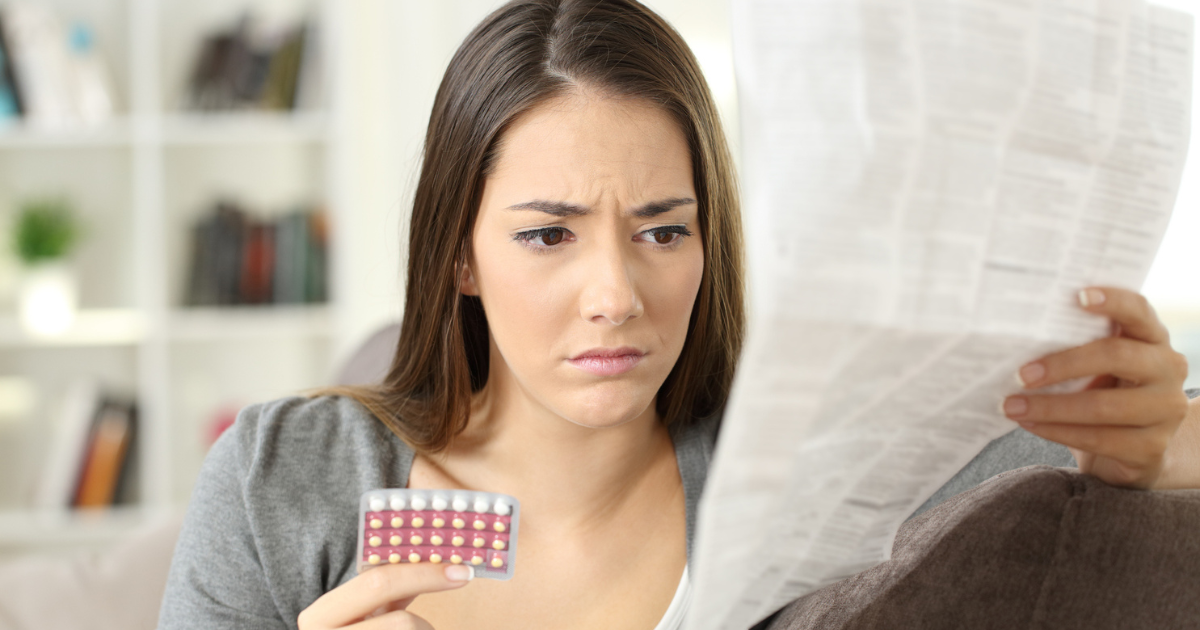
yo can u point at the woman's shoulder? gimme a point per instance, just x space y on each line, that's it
315 444
303 423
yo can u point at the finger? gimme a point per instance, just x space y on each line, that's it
1125 456
1128 406
1124 358
378 587
1129 309
397 620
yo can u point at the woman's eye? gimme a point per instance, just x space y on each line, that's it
543 237
668 235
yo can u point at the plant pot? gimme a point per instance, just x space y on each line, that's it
48 298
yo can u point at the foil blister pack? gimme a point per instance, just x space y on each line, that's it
478 529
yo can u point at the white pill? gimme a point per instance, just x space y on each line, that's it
418 502
440 502
481 504
377 504
397 501
460 504
502 507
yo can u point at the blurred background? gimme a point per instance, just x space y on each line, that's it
204 205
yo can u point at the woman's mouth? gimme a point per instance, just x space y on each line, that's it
607 361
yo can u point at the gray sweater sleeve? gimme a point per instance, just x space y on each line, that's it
216 578
272 523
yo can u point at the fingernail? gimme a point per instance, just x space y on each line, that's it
1028 426
1031 373
1091 297
460 573
1015 406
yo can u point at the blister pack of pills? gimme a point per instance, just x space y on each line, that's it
478 529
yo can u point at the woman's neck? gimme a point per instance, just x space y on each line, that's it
567 476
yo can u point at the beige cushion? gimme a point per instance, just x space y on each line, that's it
120 589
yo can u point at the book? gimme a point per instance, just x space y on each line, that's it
292 259
279 88
202 285
10 95
310 76
64 462
108 445
228 245
258 259
315 272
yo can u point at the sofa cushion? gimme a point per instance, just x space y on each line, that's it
1037 547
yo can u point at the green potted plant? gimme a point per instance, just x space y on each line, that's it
44 236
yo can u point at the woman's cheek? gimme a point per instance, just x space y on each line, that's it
528 310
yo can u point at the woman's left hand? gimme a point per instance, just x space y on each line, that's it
1120 426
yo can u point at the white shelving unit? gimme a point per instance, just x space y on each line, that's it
139 182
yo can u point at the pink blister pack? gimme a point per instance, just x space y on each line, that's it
478 529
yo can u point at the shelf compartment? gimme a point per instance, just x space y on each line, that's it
92 327
234 128
249 322
57 528
115 133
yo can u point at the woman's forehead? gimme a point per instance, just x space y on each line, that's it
590 145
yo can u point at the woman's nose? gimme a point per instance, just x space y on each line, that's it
609 292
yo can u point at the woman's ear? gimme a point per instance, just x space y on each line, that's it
466 279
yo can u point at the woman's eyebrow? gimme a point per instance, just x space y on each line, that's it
564 209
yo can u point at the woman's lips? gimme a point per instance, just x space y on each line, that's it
605 362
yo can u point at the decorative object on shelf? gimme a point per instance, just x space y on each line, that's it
255 65
46 232
221 419
56 76
237 259
18 398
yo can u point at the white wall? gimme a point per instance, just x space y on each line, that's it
1174 281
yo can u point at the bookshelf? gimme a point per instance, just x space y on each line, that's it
140 181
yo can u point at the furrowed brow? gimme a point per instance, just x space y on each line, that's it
655 208
564 209
556 208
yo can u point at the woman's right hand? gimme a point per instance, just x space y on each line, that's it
377 598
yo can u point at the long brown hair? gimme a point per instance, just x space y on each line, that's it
524 53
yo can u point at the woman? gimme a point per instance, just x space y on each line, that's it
574 312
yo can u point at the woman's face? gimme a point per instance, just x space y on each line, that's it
587 257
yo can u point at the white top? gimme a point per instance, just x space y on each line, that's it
673 619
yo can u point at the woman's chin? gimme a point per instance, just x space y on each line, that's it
601 412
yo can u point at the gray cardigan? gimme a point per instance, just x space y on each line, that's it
272 521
